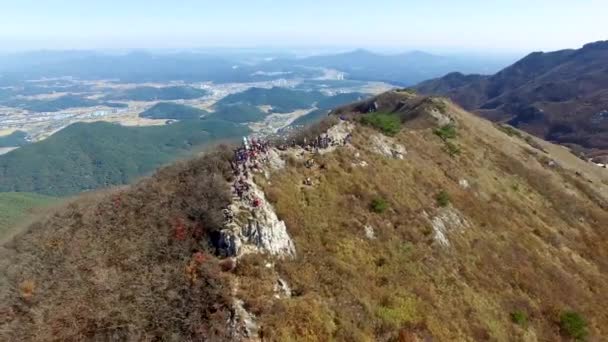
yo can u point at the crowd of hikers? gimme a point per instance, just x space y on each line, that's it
253 153
322 141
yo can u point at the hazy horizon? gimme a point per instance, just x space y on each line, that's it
468 26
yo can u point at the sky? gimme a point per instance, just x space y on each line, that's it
431 25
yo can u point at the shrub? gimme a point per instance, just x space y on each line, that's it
386 123
446 132
379 205
452 149
398 312
509 130
406 90
443 198
534 144
519 317
573 325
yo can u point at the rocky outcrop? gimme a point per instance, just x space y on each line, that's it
441 118
387 147
242 324
265 231
338 135
447 220
254 226
369 232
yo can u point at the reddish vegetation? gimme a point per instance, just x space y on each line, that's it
179 230
136 265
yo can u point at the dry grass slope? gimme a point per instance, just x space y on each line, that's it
536 242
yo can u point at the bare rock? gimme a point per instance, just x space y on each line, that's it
387 147
369 232
446 221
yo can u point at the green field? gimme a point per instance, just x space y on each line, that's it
16 206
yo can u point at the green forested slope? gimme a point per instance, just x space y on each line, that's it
282 100
17 138
325 105
88 156
175 111
239 113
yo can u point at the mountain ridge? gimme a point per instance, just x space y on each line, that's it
397 236
556 95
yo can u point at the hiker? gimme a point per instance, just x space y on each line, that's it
257 202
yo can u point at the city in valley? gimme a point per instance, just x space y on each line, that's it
38 124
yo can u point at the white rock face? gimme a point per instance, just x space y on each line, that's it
260 230
369 232
275 162
441 118
387 147
243 326
446 221
266 231
339 135
464 184
361 163
282 289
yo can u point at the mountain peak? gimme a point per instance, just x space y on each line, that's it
567 86
599 45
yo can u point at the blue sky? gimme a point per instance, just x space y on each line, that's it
459 25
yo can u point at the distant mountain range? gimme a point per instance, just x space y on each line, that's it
561 96
404 69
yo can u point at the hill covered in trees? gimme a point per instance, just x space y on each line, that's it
86 156
238 113
282 100
17 138
174 111
325 105
58 104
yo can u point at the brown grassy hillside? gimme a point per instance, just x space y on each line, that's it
560 96
132 264
480 233
535 243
